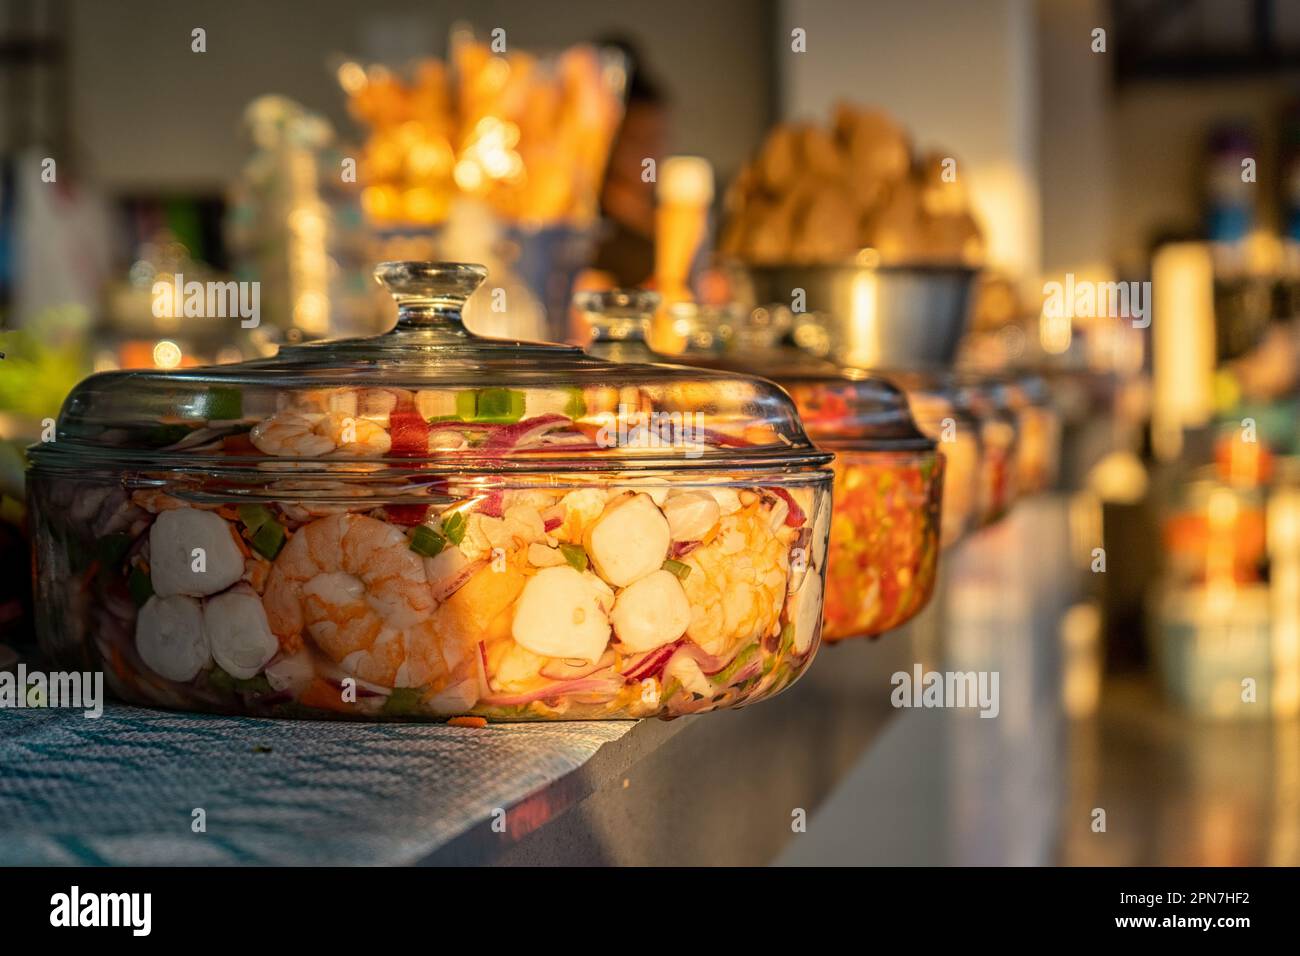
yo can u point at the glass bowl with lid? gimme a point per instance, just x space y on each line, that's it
429 524
942 412
991 402
1039 425
889 477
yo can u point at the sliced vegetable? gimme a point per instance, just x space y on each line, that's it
410 434
268 540
502 406
403 702
575 555
222 404
677 569
670 690
467 721
725 676
427 542
406 515
795 517
576 405
453 527
223 681
254 516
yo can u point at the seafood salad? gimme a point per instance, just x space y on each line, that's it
884 536
381 590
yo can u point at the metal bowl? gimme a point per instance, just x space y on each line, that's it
877 316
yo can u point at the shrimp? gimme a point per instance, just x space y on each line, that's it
292 433
353 585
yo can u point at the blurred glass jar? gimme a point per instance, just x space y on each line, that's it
889 476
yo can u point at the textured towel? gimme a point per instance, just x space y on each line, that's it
123 789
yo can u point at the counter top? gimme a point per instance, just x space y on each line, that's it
152 787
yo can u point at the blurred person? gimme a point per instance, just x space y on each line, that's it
626 250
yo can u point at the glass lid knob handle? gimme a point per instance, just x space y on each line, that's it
621 315
430 295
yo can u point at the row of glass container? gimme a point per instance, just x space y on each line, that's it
429 524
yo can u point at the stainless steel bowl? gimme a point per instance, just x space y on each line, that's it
877 316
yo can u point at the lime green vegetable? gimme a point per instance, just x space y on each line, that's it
671 688
575 555
162 436
576 405
681 571
403 701
268 540
228 683
500 406
254 516
724 676
427 542
222 404
453 527
787 638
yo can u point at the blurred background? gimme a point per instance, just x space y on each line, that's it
1138 589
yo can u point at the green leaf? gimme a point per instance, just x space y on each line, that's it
427 542
575 555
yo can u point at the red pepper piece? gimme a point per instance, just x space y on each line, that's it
410 434
407 515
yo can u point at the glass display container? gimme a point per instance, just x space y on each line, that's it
940 410
889 476
989 401
1038 444
428 524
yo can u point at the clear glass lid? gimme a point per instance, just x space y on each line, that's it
430 394
841 406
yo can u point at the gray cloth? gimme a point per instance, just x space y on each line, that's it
122 789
